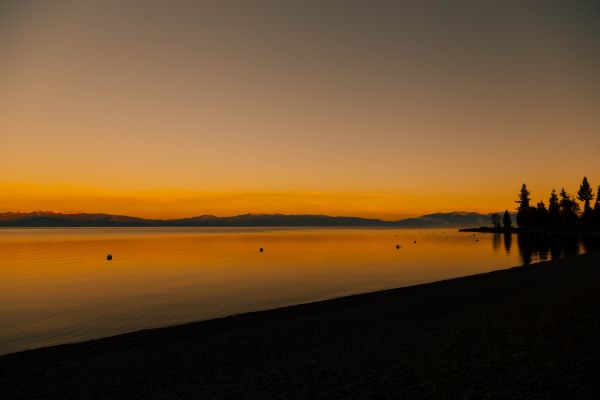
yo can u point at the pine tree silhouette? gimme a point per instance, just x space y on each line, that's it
541 215
507 220
569 209
523 212
553 210
586 195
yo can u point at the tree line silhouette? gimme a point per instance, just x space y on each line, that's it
562 213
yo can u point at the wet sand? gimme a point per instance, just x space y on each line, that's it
526 332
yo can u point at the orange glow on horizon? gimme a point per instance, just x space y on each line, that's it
173 203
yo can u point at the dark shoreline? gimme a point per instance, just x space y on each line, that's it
525 332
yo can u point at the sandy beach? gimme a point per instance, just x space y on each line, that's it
525 332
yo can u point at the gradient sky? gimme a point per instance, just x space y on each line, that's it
369 108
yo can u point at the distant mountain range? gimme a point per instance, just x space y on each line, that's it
458 219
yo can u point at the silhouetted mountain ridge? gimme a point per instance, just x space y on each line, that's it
458 219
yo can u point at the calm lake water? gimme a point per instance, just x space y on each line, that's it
56 285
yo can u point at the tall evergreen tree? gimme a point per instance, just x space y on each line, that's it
569 208
524 198
553 210
507 220
523 209
541 215
586 195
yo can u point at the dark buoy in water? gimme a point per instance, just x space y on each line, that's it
397 246
261 250
109 257
415 241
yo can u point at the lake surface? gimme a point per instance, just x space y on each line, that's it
56 285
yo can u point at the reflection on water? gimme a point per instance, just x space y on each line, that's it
56 285
507 243
534 247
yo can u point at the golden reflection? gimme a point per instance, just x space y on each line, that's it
56 284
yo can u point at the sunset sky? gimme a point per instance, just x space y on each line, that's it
370 108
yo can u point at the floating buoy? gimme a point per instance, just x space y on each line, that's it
397 246
415 241
109 257
261 249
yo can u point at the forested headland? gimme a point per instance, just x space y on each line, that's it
564 212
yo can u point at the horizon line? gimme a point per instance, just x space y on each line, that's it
53 212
